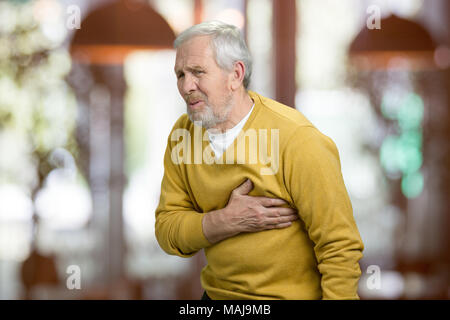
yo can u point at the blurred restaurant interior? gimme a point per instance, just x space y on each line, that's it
88 97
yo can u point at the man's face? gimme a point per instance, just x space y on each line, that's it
202 83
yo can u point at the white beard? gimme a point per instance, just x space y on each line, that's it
207 118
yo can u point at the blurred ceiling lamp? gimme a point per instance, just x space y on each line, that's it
399 40
109 33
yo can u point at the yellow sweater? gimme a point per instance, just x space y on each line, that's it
316 257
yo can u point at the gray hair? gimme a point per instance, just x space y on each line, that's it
227 42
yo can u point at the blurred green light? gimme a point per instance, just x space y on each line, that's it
389 105
402 154
19 1
408 109
412 138
412 184
408 159
409 155
410 114
388 154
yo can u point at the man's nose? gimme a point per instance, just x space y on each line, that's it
189 84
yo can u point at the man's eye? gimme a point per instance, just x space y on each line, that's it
198 72
180 76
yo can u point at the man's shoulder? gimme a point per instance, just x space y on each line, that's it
295 127
280 114
183 122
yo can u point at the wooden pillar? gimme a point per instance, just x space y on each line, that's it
446 180
107 35
106 166
198 11
284 34
117 87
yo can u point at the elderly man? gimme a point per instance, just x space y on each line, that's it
272 227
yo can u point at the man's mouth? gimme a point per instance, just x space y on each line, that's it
193 104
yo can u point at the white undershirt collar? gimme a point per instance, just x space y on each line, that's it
221 141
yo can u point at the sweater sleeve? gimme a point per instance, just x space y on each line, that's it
178 227
313 178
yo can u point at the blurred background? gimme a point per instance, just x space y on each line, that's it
88 97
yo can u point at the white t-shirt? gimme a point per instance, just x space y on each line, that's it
221 141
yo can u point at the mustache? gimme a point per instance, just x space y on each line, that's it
194 98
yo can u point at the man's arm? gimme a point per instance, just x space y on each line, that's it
178 227
313 178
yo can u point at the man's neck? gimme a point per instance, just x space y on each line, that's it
242 106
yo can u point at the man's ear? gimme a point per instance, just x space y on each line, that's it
237 75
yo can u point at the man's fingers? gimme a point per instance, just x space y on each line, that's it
279 225
282 219
270 202
282 225
244 188
279 212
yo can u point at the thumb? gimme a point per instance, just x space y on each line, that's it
244 188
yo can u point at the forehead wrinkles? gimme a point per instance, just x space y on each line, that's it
195 51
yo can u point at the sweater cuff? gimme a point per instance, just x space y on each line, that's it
194 232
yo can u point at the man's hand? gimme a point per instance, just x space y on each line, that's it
245 213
